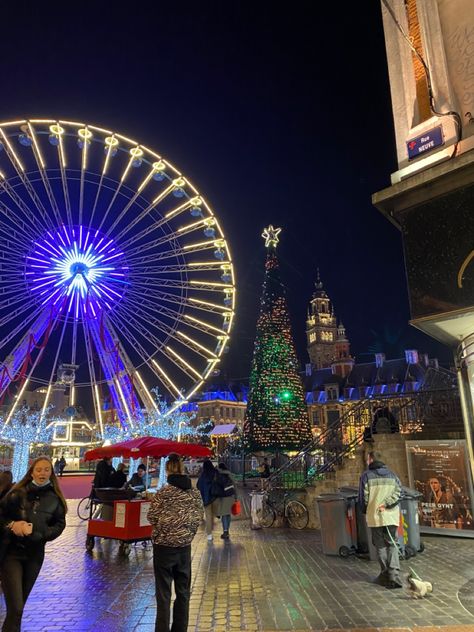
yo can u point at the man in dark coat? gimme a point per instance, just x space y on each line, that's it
103 472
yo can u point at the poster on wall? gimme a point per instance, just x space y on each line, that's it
440 471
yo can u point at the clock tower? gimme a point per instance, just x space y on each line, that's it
323 335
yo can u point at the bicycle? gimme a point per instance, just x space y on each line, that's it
295 512
87 507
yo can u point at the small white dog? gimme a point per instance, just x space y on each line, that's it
417 587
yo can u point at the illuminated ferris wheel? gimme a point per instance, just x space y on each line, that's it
115 275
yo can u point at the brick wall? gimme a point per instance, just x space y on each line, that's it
392 447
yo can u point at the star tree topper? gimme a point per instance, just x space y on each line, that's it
270 235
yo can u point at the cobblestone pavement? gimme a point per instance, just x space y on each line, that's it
266 580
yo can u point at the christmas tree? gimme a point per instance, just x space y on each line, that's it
277 417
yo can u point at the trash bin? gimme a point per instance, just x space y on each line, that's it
409 532
363 538
338 528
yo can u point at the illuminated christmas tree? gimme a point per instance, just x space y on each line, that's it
26 428
277 417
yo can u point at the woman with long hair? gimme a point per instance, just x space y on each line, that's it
31 514
204 485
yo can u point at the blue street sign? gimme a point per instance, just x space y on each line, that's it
425 142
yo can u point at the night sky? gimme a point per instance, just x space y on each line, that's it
278 115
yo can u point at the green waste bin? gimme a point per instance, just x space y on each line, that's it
338 528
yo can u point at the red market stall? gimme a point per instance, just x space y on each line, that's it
148 447
129 522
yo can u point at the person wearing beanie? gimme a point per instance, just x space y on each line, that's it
175 514
379 497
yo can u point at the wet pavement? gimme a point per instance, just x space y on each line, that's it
264 581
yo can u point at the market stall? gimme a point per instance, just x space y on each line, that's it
129 522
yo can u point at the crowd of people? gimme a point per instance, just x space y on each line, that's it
32 513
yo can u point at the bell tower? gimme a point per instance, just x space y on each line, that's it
321 328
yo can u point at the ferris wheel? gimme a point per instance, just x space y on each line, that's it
115 274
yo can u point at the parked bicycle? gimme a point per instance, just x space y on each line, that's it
87 507
276 504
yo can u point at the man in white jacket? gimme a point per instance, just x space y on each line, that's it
379 496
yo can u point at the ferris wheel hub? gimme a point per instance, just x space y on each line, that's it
78 270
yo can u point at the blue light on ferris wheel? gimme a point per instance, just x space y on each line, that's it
78 269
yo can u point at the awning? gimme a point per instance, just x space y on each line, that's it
147 446
222 430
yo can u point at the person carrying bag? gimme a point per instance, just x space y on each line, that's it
224 490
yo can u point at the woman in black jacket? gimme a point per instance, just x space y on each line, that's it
204 485
32 514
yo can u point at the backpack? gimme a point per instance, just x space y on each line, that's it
222 486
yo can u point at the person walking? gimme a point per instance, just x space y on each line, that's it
175 514
204 484
62 465
379 497
225 491
31 514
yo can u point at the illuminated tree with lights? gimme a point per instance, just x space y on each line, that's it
277 417
26 427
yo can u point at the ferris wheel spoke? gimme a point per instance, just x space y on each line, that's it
141 319
166 239
11 288
161 350
62 159
204 266
138 383
84 134
44 174
114 371
20 170
119 187
20 327
53 369
178 251
134 198
175 357
148 360
20 238
90 363
111 143
155 225
9 303
32 219
146 293
206 286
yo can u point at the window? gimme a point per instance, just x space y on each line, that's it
316 417
312 337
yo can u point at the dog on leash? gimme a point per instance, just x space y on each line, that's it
417 587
